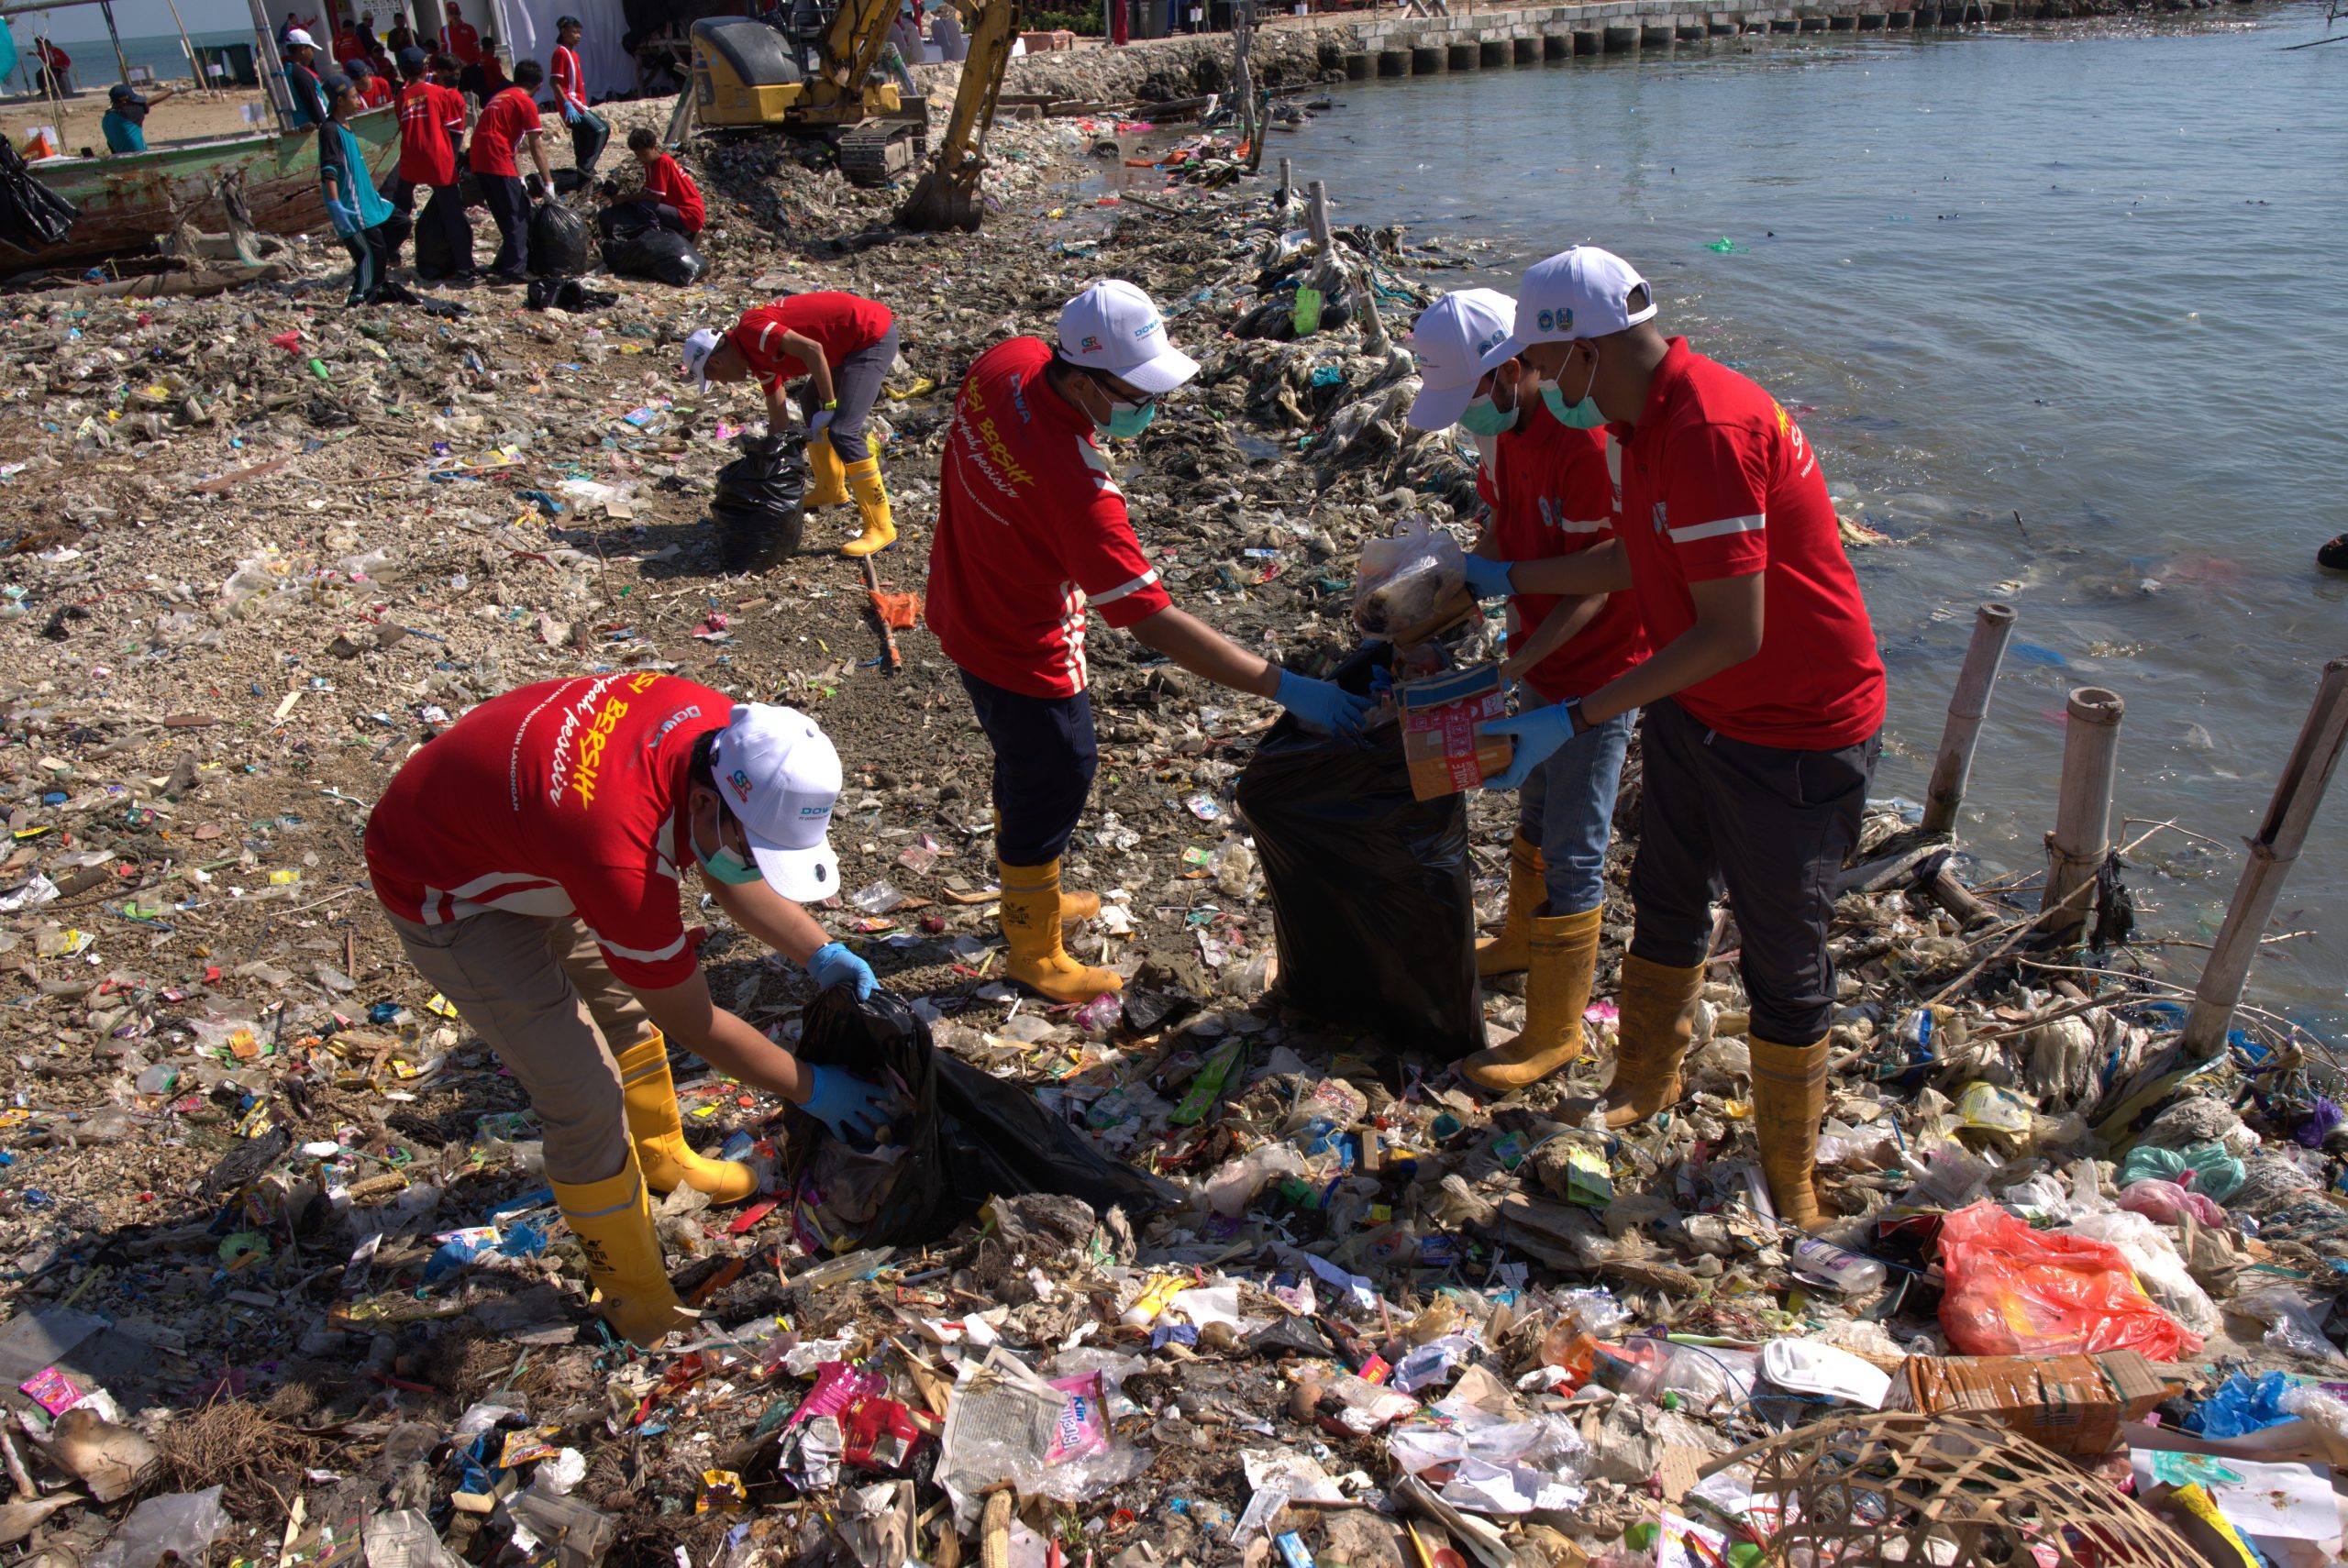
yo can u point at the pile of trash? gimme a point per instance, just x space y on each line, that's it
1243 1275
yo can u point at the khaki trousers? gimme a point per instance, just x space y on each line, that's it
537 990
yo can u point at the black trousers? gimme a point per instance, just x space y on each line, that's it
1044 758
371 259
1774 826
508 201
588 133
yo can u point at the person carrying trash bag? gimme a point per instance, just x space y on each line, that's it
508 120
1547 485
843 344
530 859
569 79
1031 529
1763 694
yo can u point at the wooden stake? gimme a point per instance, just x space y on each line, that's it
1993 627
1316 214
2297 794
2082 835
1287 185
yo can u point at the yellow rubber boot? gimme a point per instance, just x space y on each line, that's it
612 1219
1564 963
830 474
1510 951
658 1129
1788 1106
1650 1043
1031 925
1076 907
873 507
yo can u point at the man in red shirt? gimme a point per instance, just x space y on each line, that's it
460 37
507 119
1031 529
1549 493
432 121
373 89
545 911
668 198
588 131
1763 696
844 345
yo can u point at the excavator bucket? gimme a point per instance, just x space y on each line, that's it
949 196
941 202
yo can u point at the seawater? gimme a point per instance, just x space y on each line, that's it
2059 307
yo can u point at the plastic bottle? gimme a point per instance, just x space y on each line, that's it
1160 1290
1823 1262
855 1266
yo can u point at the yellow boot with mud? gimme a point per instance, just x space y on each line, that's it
1510 951
1651 1041
872 506
830 474
612 1219
1564 951
1031 925
658 1129
1076 908
1788 1107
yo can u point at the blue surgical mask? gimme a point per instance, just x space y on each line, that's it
1582 416
1127 420
726 866
1485 417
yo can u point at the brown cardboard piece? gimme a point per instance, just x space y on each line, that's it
2072 1403
1442 742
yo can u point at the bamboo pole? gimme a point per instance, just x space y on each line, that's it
1993 627
2082 835
1287 186
105 9
2297 793
1316 214
194 64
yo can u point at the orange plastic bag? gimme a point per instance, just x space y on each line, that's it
2015 1291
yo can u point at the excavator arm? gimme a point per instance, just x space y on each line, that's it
948 196
853 44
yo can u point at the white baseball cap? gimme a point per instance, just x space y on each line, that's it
296 38
1582 292
1112 326
776 771
1449 339
698 349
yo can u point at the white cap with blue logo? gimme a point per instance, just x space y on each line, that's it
777 772
1450 339
1582 292
1114 327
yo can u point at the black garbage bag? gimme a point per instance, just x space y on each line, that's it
1371 898
656 254
436 258
757 505
32 217
966 1137
559 241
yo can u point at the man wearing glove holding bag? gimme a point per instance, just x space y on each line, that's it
1546 483
531 860
1764 697
1031 530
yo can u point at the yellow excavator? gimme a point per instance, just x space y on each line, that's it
948 196
814 68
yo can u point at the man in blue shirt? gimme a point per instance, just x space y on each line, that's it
125 122
310 104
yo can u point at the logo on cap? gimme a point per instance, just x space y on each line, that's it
741 782
1146 327
1091 345
1556 321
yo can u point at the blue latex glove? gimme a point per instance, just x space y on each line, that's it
569 113
817 420
1488 578
1538 735
834 965
346 219
1321 702
847 1105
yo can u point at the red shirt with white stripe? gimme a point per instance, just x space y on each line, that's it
509 116
428 114
673 185
1719 481
563 73
1551 494
1030 529
565 798
840 323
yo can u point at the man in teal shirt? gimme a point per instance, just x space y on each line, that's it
125 122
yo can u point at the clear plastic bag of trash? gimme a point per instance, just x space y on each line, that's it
2291 1323
182 1523
1005 1423
2159 1267
1234 1185
404 1538
1404 579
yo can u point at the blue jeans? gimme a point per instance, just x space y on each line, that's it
1566 807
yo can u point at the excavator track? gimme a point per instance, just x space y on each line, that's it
879 151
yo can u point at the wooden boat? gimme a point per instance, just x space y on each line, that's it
267 181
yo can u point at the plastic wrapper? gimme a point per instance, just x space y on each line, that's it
1404 579
2159 1267
2243 1405
2291 1323
759 507
2162 1202
182 1523
1374 909
1004 1423
2015 1291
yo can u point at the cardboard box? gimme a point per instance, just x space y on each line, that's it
2072 1403
1441 715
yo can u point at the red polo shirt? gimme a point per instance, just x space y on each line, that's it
1030 529
572 802
564 75
1551 495
508 117
674 186
426 156
463 40
1719 481
840 323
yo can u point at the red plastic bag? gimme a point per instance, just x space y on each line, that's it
2015 1291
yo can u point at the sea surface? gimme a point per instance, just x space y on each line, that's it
94 67
2061 308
